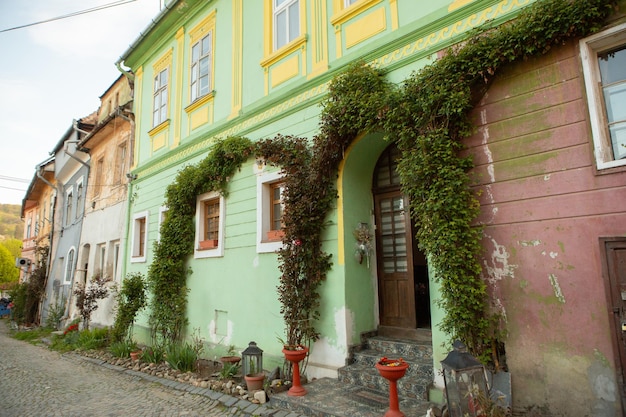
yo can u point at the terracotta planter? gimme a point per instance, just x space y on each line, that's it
135 355
392 370
230 359
295 356
254 382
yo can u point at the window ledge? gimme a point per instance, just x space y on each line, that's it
200 102
284 51
352 11
159 128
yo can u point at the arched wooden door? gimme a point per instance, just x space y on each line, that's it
402 270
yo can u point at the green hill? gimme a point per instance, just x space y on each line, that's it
11 225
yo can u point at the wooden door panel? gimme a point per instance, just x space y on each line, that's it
395 268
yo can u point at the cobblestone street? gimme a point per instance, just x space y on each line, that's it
35 381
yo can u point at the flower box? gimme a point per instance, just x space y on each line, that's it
275 234
207 244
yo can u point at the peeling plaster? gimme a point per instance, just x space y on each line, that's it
557 288
546 177
530 242
498 266
553 255
490 167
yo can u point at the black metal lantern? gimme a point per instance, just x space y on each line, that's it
252 360
465 381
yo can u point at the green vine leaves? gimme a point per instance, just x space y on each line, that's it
428 116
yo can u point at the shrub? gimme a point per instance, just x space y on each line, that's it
130 299
181 356
122 348
93 338
87 297
153 354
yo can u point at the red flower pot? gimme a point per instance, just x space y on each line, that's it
392 370
295 356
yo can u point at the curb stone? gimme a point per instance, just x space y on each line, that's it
239 407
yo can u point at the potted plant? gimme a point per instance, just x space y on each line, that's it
392 370
230 356
254 380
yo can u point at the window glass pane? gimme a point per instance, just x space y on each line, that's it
206 45
279 2
294 22
204 85
281 29
204 66
164 78
613 66
618 139
615 99
195 52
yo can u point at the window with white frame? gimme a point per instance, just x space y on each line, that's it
79 198
102 259
201 62
116 258
286 21
270 189
70 266
159 108
29 227
604 68
68 207
139 237
210 212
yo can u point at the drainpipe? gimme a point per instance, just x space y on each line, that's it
50 241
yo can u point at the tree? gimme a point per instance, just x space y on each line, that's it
8 271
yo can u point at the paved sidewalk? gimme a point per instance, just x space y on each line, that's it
38 382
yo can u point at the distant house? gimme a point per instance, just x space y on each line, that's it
549 165
110 146
38 213
71 171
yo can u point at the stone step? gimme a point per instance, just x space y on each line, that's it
413 385
327 397
401 348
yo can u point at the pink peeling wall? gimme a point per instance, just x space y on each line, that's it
545 207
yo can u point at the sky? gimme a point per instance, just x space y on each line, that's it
53 73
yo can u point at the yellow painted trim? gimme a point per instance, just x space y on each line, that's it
200 116
341 237
319 38
292 46
338 45
365 27
200 102
163 62
158 129
458 4
200 30
237 59
159 141
268 33
271 56
194 112
177 125
349 12
393 11
285 70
